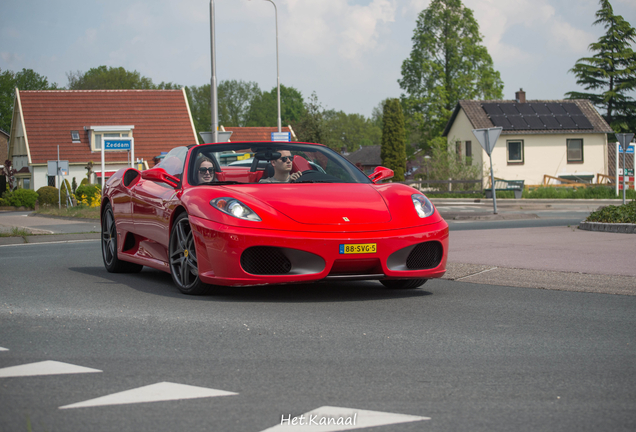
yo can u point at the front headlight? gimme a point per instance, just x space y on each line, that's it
423 206
234 207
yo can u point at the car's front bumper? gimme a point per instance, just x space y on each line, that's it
313 255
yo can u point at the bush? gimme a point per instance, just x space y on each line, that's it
89 195
47 195
20 198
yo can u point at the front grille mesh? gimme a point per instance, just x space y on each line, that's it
265 260
425 255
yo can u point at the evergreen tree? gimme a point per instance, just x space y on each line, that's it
610 74
393 152
447 63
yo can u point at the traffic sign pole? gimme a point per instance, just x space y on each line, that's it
624 139
488 138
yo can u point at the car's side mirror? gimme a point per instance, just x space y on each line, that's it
160 175
381 173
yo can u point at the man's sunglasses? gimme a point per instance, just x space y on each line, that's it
287 158
203 170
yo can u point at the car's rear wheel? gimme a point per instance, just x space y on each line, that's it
183 258
403 283
109 246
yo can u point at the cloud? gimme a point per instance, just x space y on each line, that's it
337 26
566 36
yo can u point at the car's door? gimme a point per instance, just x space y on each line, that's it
153 201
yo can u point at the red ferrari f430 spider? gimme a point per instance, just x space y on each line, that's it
256 213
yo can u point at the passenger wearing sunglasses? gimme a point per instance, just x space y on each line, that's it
282 169
205 171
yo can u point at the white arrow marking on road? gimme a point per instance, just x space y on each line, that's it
163 391
48 367
4 349
332 419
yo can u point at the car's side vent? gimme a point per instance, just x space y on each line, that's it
265 260
425 255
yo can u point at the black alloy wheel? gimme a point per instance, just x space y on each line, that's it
403 283
109 246
183 258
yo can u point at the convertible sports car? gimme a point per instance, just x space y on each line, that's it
208 219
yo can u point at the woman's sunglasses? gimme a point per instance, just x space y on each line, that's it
287 158
204 170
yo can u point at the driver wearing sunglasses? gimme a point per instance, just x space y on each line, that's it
205 171
282 169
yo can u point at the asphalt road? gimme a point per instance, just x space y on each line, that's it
471 357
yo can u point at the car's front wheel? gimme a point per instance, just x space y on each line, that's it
183 258
403 283
109 246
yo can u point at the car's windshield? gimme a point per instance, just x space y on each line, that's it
271 162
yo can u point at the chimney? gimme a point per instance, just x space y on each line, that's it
520 96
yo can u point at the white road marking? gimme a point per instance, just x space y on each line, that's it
4 349
53 242
48 367
163 391
332 419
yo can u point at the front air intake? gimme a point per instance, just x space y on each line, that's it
425 255
265 260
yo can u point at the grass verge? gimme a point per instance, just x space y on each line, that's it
73 212
16 232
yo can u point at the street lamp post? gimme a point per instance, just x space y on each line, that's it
277 67
213 93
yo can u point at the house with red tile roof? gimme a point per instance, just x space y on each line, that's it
79 120
559 138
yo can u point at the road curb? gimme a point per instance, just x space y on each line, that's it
621 228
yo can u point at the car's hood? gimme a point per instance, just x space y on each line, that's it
346 204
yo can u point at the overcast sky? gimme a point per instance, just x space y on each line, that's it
348 51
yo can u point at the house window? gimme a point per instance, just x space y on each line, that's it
75 137
469 153
575 150
98 133
51 181
458 148
515 152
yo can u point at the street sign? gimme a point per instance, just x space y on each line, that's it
117 144
630 149
281 136
487 138
52 168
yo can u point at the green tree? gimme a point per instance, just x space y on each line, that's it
199 101
235 99
311 126
393 152
610 74
264 107
26 79
107 78
350 131
447 63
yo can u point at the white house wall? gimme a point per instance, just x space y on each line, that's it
39 174
547 154
462 130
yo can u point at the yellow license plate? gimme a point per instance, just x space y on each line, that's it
358 248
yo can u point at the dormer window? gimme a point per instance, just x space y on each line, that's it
75 137
98 133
